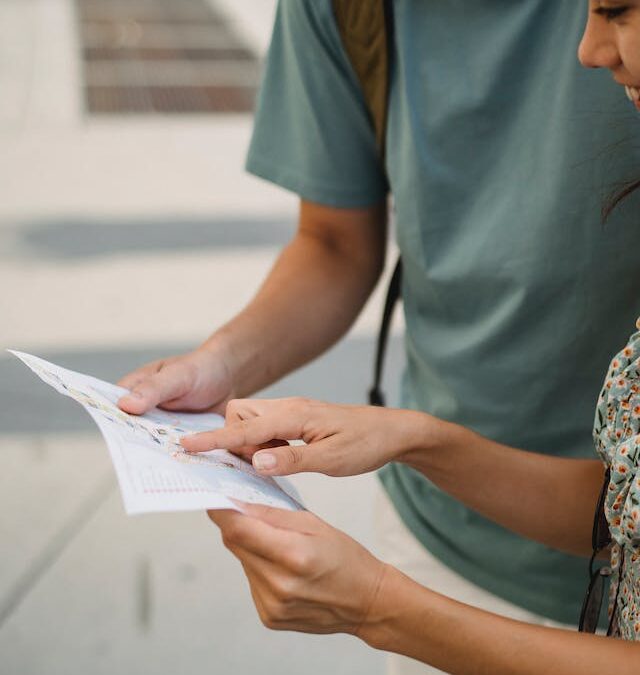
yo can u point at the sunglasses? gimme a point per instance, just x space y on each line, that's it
598 576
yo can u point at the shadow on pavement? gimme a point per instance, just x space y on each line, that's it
30 406
82 239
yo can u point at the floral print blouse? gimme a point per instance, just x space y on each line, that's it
616 434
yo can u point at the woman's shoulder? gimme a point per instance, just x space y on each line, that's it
617 440
617 415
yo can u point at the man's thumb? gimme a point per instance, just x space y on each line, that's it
134 402
156 389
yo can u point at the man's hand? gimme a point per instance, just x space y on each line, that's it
304 575
318 284
341 440
197 381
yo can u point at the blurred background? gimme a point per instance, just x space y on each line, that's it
129 231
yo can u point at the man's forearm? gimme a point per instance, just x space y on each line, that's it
411 620
548 499
311 297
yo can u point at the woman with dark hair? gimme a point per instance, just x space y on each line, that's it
307 576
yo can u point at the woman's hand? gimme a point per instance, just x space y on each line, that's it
341 440
304 574
309 577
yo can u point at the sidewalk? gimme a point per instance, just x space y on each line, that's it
122 239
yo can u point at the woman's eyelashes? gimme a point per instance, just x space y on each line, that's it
611 13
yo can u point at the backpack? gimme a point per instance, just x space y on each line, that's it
366 31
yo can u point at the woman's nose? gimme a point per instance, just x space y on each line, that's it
598 48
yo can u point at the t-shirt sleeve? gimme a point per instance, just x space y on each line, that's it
312 132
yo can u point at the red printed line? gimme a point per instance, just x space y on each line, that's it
175 490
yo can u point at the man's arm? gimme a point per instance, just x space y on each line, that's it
310 298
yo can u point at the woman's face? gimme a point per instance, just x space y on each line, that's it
612 40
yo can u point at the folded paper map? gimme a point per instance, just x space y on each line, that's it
154 472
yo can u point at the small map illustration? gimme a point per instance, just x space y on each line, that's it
154 473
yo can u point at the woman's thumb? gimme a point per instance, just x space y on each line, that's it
283 460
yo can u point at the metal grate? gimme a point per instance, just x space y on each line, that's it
163 56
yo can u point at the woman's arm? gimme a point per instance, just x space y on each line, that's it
409 619
307 576
549 499
545 498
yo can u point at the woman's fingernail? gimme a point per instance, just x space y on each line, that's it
134 394
264 461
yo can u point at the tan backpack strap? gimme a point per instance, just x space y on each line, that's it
366 31
363 27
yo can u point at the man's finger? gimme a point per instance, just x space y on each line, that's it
130 380
167 384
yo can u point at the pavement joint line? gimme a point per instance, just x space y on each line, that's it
56 547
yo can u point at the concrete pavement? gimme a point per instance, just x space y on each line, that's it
122 240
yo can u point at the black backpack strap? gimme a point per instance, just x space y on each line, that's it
366 31
376 395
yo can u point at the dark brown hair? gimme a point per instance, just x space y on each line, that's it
615 199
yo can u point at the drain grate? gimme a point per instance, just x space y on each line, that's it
163 56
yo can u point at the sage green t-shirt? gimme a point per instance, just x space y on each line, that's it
500 148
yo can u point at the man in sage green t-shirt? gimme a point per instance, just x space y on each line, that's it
499 151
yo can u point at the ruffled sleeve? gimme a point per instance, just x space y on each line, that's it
617 440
